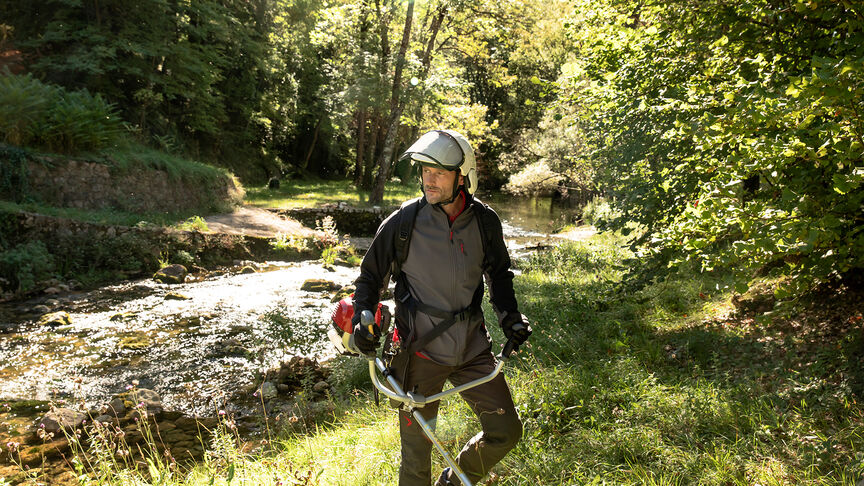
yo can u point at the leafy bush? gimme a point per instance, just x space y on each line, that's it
598 211
35 114
536 179
26 264
734 143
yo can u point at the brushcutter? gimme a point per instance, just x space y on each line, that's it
413 402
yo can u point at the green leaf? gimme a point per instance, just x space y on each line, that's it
741 287
230 473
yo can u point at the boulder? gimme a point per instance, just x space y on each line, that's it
151 400
59 419
116 407
319 285
172 274
55 319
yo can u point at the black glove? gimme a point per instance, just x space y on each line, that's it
365 341
516 328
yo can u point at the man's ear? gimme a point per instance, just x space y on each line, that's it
461 179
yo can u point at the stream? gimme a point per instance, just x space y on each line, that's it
200 352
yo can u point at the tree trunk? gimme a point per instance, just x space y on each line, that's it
361 147
368 170
311 145
396 106
426 63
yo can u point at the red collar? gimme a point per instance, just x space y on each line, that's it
461 208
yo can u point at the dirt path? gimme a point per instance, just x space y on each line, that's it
255 222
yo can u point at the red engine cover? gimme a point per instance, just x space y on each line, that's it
343 313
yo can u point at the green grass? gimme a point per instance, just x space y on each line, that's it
312 193
101 216
129 155
649 387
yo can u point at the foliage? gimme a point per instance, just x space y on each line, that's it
35 114
271 88
731 132
285 243
25 264
598 212
13 173
193 223
533 180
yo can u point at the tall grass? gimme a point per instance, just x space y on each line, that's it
656 387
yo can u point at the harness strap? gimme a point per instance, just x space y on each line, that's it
449 318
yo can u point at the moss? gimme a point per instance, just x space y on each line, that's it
135 341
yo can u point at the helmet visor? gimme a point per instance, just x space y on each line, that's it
436 148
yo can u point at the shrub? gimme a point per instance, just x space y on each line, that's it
597 211
536 179
26 264
35 114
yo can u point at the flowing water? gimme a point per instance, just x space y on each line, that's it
199 352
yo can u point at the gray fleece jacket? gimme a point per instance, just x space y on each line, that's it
444 269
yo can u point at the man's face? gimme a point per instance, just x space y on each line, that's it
438 183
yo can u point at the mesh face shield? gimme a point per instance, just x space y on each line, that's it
445 149
436 148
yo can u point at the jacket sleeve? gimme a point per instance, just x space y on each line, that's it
499 277
375 269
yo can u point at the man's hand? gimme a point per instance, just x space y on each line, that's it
516 328
365 341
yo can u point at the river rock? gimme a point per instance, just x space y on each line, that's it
59 419
116 407
149 398
52 291
268 390
55 319
40 309
321 387
124 316
247 270
176 296
342 293
172 274
319 285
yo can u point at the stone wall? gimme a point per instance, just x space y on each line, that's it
91 185
78 247
353 221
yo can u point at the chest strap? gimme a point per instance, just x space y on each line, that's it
449 318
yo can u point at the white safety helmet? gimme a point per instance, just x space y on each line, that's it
446 149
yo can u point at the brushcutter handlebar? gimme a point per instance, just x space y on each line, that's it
412 400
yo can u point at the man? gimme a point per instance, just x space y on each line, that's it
454 241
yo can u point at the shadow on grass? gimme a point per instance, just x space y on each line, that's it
671 383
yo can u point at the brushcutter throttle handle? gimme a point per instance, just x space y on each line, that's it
510 346
367 318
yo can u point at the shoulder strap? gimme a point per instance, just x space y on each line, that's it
402 239
488 227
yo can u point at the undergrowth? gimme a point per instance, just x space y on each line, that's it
668 385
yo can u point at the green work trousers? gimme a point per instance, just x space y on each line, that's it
491 402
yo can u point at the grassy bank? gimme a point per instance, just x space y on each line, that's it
667 385
313 193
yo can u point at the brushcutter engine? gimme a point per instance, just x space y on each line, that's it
342 332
